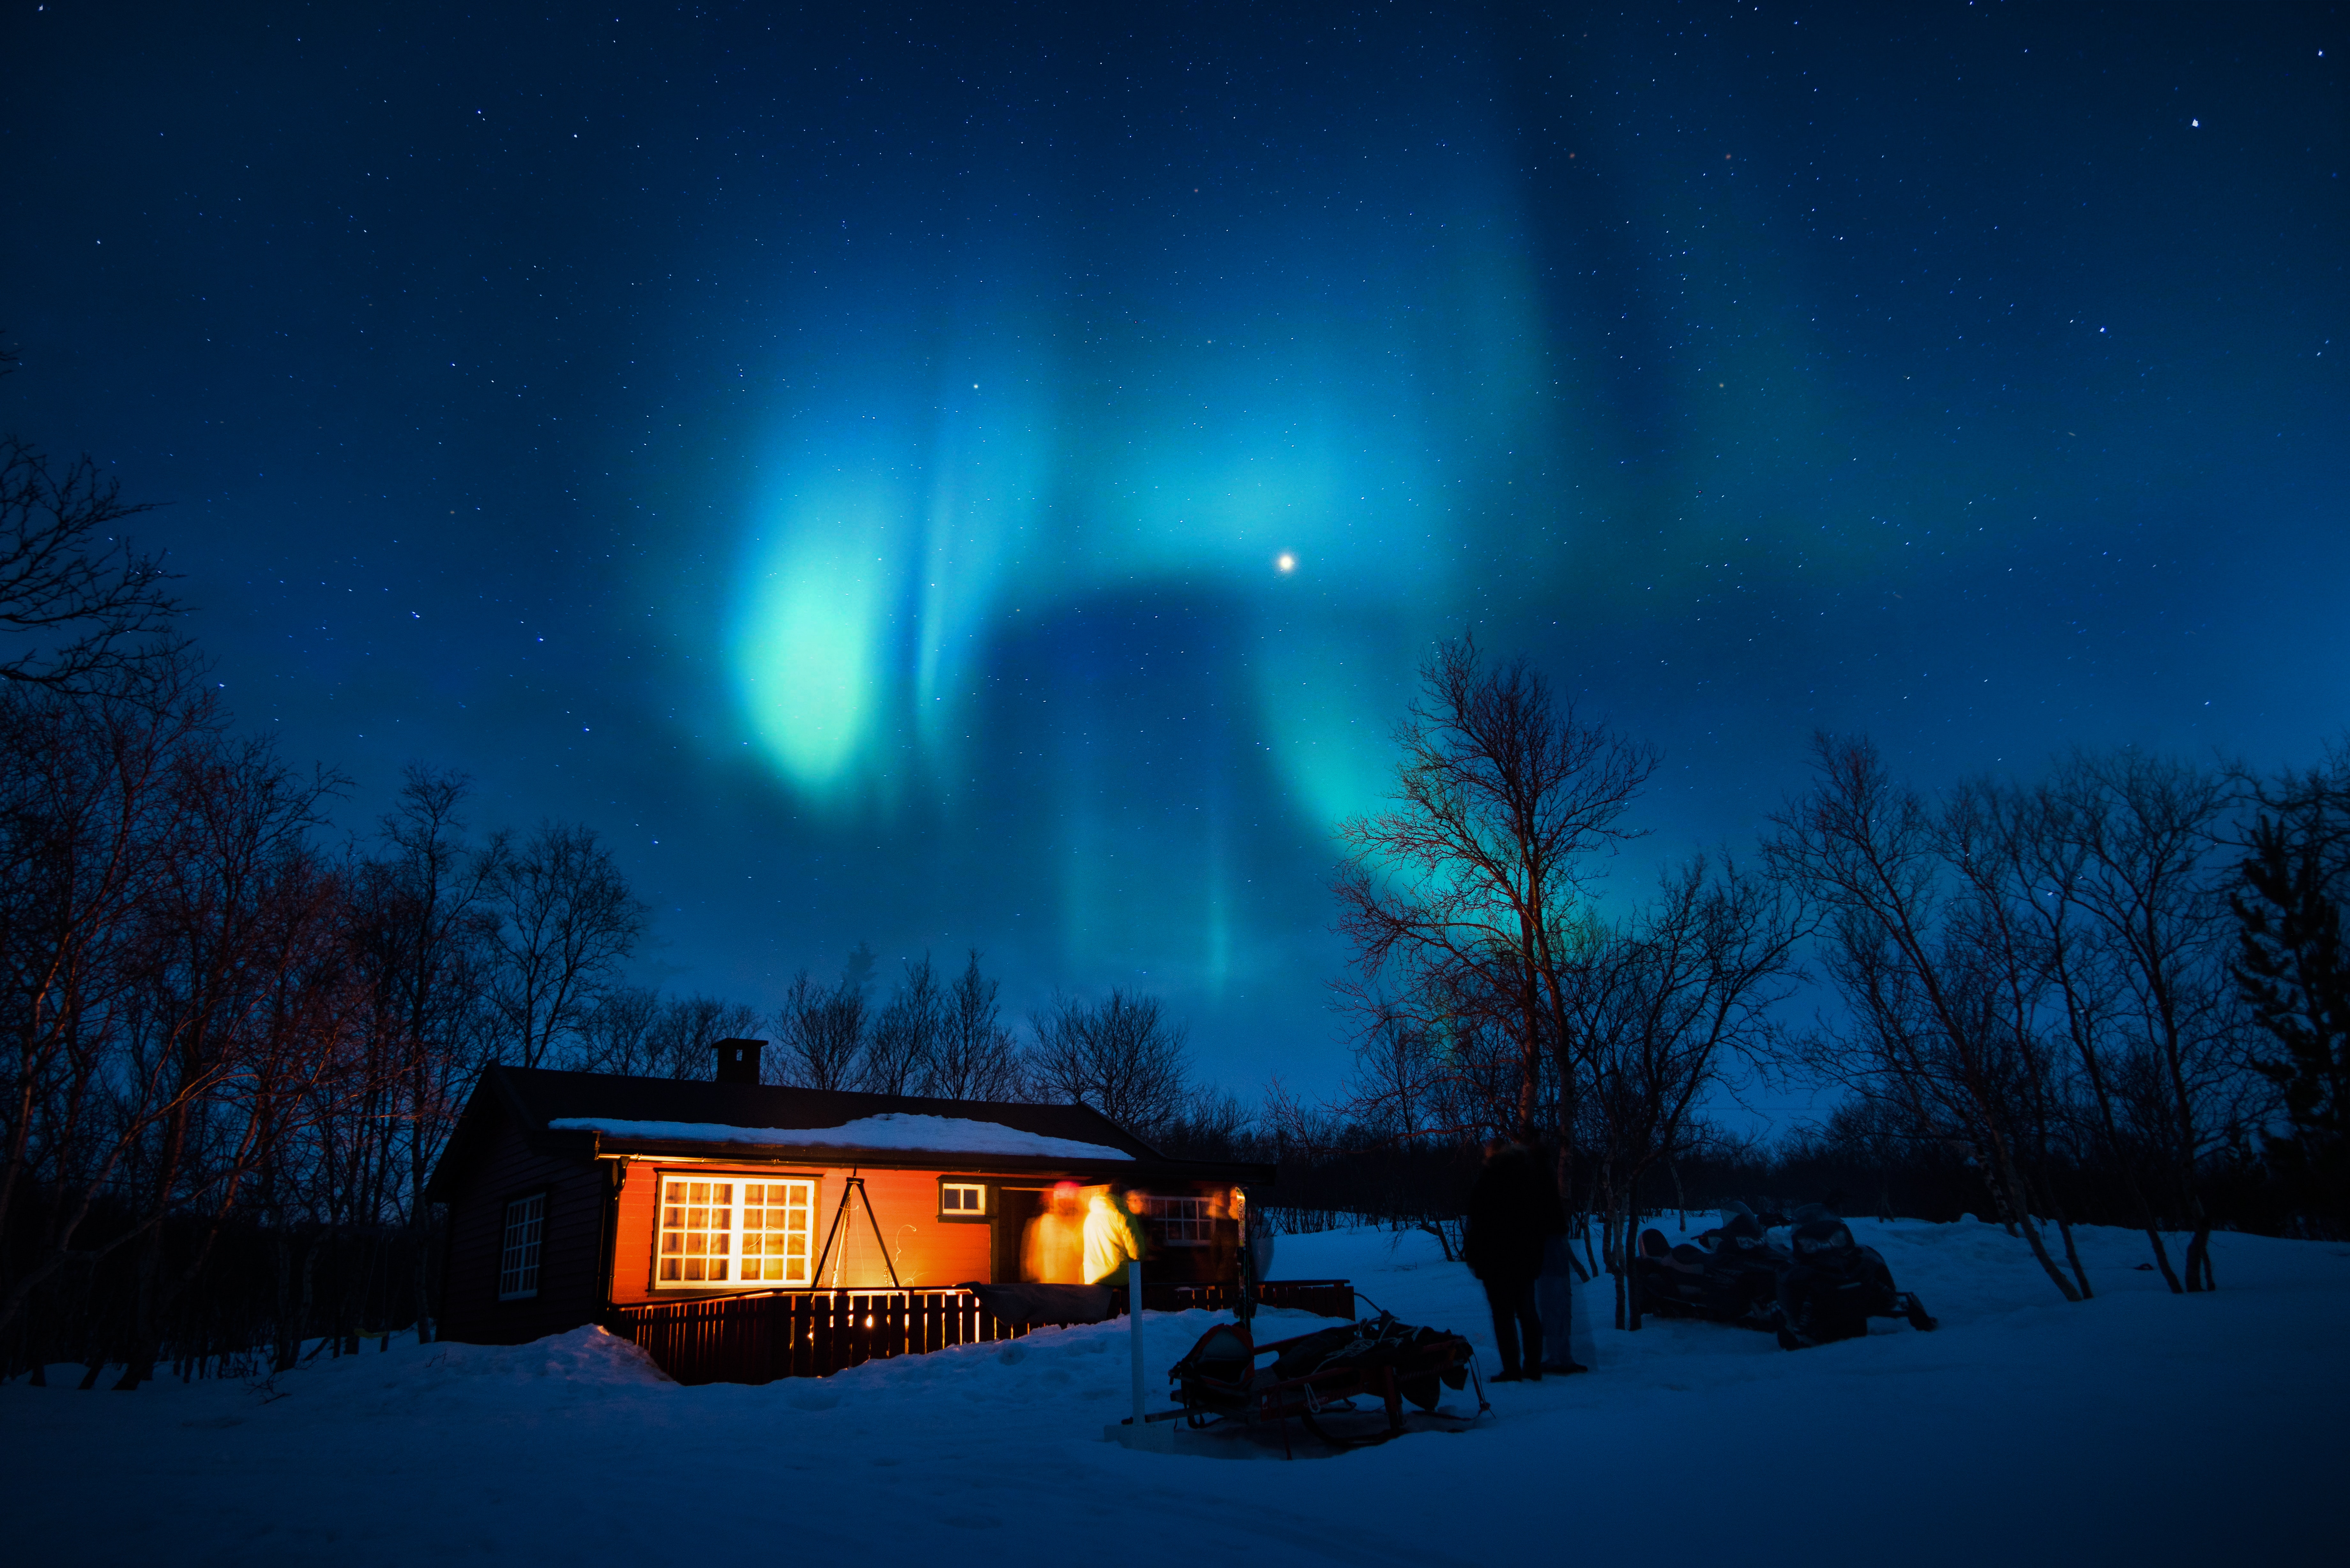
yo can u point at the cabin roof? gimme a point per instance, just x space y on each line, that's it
607 1113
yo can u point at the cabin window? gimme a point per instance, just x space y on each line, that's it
962 1201
518 1248
1181 1221
726 1232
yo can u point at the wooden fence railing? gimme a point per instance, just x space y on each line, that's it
812 1334
801 1333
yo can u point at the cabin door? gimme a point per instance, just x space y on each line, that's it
1015 1208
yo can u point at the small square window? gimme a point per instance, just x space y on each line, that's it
963 1200
518 1249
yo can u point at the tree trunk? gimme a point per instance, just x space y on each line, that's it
2198 1255
139 1367
2072 1254
283 1354
416 1205
2022 1216
2162 1258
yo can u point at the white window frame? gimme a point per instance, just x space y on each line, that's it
522 1244
719 1230
1183 1222
978 1209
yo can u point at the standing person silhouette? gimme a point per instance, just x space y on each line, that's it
1513 1209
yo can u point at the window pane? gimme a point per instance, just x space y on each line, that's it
770 1233
518 1247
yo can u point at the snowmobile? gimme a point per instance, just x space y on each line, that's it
1822 1285
1315 1375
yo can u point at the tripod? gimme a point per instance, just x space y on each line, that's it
855 1184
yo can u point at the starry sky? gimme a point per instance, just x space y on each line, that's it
985 476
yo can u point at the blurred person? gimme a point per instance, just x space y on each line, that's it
1513 1209
1051 1253
1112 1235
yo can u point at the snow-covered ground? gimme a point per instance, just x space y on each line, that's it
2136 1427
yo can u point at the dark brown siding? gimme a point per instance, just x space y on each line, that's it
570 1254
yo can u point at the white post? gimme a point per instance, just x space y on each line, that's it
1134 1311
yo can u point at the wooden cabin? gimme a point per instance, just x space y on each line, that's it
577 1198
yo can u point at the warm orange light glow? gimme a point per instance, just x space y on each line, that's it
1107 1246
1053 1250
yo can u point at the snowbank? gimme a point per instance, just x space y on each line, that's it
897 1130
2135 1427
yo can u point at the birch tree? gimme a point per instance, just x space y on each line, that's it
1931 981
1471 880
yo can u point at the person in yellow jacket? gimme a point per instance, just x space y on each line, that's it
1113 1234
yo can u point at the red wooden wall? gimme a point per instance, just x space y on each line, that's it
928 1252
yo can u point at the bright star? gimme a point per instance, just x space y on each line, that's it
1284 562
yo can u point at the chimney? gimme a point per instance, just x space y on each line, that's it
738 1061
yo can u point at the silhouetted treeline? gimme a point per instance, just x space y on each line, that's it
236 1048
2114 993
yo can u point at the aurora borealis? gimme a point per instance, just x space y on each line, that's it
849 459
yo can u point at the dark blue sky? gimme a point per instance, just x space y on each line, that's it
850 460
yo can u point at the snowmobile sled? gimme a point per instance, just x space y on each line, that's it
1318 1375
1821 1285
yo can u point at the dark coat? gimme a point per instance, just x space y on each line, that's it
1512 1208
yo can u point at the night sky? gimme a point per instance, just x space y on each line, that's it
986 476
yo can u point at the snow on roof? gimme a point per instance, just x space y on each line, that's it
894 1129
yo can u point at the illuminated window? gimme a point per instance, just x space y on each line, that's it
776 1228
967 1199
518 1249
728 1232
1181 1221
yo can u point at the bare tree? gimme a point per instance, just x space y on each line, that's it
906 1036
1661 1006
424 922
1940 988
618 1035
2292 971
81 609
1214 1124
1120 1055
2120 853
1468 883
679 1043
89 832
566 923
213 929
822 1029
1404 1085
976 1057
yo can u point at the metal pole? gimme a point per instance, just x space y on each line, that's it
1134 1312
